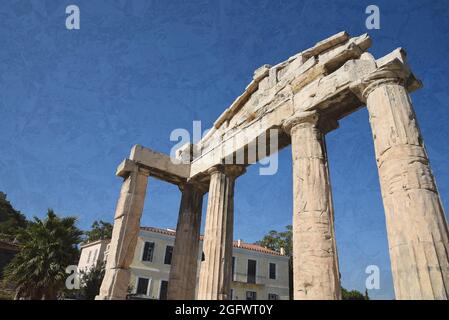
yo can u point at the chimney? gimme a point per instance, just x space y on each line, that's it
239 243
282 251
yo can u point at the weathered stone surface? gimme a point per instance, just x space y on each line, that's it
183 271
215 273
125 167
315 262
117 281
418 234
161 166
313 79
326 44
333 79
124 234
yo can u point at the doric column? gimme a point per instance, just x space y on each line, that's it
183 271
416 223
125 232
315 262
215 273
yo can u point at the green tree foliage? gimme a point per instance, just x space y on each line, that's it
353 295
100 230
275 240
11 220
48 246
91 281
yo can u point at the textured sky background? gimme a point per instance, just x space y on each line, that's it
72 103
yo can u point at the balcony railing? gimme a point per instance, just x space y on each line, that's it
243 278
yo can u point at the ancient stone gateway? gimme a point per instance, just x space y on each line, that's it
302 98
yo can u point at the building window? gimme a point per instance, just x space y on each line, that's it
148 251
163 290
95 256
273 296
142 286
251 295
272 270
168 254
88 256
251 274
233 268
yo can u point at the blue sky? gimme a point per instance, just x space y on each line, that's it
72 103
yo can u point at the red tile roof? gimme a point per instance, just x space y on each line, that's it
255 247
243 245
158 230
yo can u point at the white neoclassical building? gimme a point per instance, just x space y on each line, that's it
258 273
92 253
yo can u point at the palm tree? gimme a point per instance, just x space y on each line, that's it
48 246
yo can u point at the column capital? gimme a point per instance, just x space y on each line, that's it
230 170
371 84
193 184
394 72
310 118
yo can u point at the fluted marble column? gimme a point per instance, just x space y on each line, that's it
416 223
315 262
216 269
183 271
125 232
